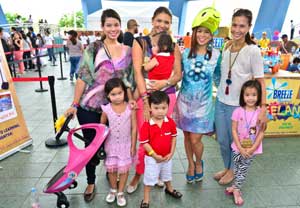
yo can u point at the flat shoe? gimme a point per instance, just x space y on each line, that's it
131 189
222 182
219 175
175 194
89 196
144 205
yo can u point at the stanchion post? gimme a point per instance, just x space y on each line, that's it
61 68
56 141
40 75
51 81
65 53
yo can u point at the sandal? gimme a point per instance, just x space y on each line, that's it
144 205
237 197
229 191
175 194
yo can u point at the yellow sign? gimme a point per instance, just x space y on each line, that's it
14 134
283 99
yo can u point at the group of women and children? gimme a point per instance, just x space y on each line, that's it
146 108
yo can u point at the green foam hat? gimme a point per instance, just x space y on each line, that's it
208 17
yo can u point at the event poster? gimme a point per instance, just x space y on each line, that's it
7 107
283 99
14 134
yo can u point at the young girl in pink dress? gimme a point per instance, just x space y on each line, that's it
120 145
247 136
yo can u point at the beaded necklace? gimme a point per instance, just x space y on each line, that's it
197 71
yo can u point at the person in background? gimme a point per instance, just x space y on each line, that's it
253 38
187 40
292 29
30 20
27 47
84 38
18 50
295 66
6 47
264 42
75 49
49 42
132 29
40 43
287 46
19 23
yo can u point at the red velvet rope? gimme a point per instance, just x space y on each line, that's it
29 79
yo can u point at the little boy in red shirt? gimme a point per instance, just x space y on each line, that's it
158 136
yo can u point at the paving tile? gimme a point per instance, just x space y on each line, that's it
11 187
15 202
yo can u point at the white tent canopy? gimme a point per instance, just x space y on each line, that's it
140 11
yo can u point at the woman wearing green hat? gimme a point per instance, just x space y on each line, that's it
193 112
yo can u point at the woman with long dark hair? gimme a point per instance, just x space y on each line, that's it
241 61
100 62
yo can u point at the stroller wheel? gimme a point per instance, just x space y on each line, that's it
73 185
63 204
62 201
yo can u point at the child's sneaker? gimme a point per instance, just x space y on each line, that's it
111 196
121 200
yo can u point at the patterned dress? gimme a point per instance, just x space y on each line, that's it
193 111
118 143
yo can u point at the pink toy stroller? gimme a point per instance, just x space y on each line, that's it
78 158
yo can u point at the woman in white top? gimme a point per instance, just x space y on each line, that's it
241 61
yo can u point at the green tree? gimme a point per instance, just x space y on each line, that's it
67 20
11 18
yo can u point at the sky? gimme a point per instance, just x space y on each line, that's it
41 9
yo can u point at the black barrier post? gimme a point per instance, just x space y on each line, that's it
61 69
56 141
65 53
53 58
40 75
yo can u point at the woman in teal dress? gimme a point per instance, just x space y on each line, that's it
193 112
